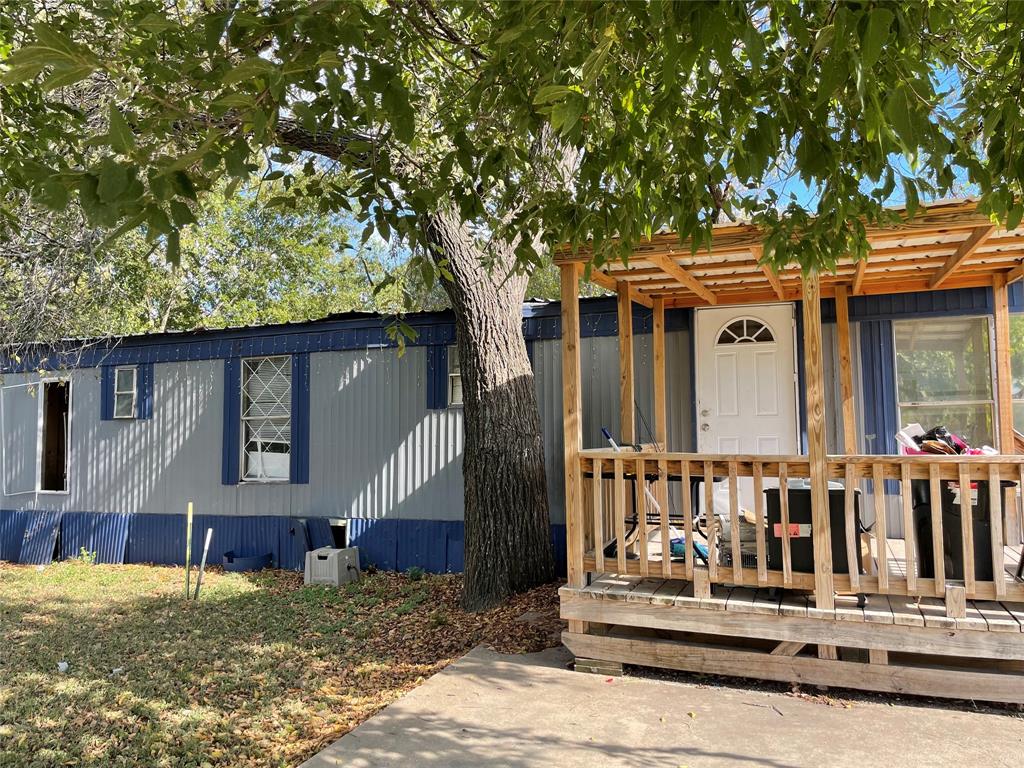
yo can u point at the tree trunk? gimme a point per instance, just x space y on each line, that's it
508 534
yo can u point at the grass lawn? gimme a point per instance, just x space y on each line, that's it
262 671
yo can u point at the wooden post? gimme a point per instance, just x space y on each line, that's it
1004 399
572 424
627 403
660 383
1004 392
845 370
816 449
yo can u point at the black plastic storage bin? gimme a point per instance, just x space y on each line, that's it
802 547
952 530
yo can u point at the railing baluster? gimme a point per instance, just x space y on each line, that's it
881 537
787 552
850 525
909 534
687 520
938 551
619 513
734 524
596 493
661 494
712 521
762 555
967 528
995 517
641 515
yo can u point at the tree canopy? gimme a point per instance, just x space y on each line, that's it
678 111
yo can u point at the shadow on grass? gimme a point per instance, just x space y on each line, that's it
260 672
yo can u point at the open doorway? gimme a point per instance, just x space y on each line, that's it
55 409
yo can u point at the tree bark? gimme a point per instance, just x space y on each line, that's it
508 534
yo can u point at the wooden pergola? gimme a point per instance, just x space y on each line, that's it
947 245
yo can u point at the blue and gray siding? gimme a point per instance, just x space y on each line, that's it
382 449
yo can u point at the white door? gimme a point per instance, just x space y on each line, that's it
746 380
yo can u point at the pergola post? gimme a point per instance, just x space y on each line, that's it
572 425
627 407
660 382
1004 392
816 448
846 370
1004 397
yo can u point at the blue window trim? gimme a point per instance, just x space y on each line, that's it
437 377
143 392
299 458
230 457
298 469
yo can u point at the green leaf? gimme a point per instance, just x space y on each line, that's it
395 101
64 76
156 22
181 214
174 248
875 35
549 94
564 116
120 134
595 61
898 110
250 68
113 180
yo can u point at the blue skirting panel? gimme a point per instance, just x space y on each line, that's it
40 540
12 533
103 533
436 546
318 529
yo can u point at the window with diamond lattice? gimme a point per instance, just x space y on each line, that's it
746 330
266 418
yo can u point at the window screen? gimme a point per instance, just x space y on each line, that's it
454 377
266 418
944 375
125 393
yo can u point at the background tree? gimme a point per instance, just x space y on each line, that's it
480 134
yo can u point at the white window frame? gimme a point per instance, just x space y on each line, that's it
250 363
133 393
67 437
991 402
454 375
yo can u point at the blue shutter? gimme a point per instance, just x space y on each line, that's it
299 469
106 392
144 391
230 456
437 377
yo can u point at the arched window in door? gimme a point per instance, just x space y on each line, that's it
746 330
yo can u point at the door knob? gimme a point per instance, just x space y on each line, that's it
705 412
705 427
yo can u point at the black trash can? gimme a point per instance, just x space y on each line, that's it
801 543
952 530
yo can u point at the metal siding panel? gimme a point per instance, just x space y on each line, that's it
377 541
679 390
102 533
12 532
158 539
376 450
455 539
20 426
318 530
40 540
422 543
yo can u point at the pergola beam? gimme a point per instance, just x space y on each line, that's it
757 251
858 277
609 283
670 268
974 241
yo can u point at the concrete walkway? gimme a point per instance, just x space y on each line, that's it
524 711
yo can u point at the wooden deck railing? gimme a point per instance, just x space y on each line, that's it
641 544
